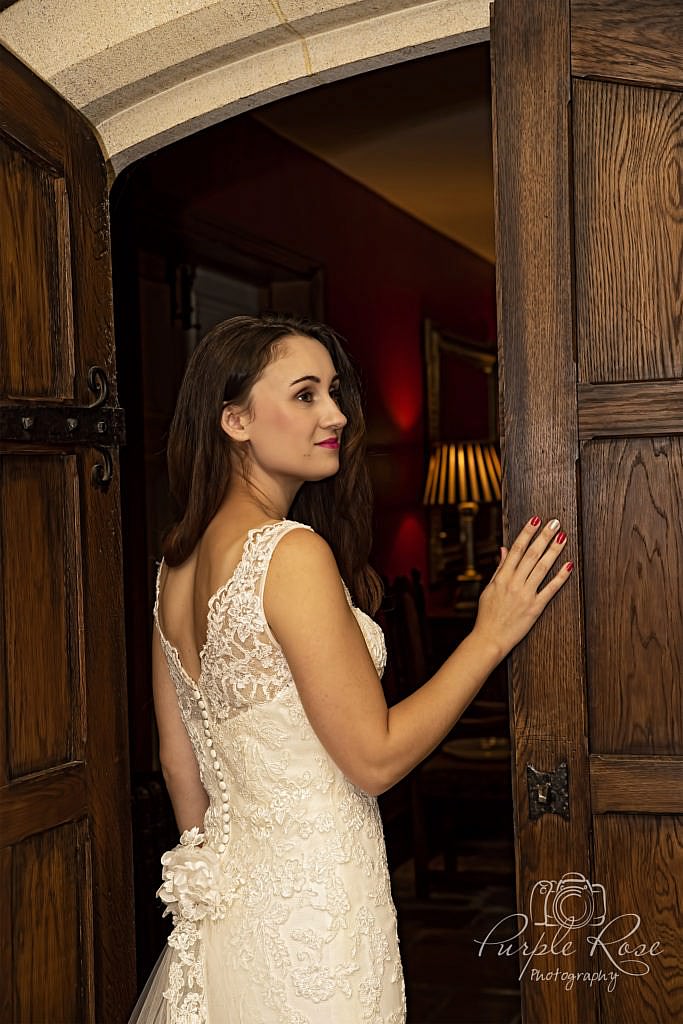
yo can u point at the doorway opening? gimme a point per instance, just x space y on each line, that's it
366 203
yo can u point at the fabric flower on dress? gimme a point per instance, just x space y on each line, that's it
192 878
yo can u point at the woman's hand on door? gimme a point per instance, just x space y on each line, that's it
512 602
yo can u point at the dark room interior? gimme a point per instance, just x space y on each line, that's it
241 218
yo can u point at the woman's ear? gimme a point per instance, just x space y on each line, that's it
235 422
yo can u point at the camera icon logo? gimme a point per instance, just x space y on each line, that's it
571 901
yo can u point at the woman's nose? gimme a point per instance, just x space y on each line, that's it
332 415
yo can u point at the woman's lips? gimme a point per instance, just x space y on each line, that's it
331 442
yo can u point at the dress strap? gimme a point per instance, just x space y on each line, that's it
269 540
274 534
157 589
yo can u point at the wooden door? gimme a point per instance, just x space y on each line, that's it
589 193
66 938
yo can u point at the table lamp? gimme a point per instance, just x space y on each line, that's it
465 474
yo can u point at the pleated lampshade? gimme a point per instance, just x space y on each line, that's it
463 471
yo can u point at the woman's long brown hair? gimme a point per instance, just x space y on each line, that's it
223 368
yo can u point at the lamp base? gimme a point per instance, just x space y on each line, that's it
468 511
470 575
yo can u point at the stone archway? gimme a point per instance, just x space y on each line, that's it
166 70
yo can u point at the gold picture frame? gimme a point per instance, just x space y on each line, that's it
461 378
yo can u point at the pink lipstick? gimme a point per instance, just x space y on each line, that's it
329 442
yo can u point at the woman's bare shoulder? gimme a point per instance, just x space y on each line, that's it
303 547
303 576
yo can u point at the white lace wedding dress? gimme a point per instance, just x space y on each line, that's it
282 908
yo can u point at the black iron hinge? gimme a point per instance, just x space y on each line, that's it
97 425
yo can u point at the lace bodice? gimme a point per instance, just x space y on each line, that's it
241 662
286 893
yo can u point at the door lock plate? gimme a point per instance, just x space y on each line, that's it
548 791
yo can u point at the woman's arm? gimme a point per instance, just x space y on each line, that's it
178 761
308 613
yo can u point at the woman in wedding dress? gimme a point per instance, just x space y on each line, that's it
275 738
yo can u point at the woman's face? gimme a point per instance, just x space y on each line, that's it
293 425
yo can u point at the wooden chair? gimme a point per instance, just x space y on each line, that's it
406 668
467 797
406 633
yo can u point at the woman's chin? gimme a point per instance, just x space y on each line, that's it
323 474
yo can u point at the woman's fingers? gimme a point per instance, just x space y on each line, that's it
559 579
533 554
512 602
522 541
552 552
530 546
538 548
503 555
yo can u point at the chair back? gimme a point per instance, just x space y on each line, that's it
404 622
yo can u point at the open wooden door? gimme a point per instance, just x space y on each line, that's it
589 192
66 907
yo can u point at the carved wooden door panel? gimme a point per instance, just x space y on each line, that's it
589 193
66 937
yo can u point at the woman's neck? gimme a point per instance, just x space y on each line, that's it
246 498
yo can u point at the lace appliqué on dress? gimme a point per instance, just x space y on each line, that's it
242 665
282 906
193 888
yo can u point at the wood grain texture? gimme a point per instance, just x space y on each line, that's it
47 873
41 125
107 749
628 40
640 409
651 785
530 56
629 232
52 135
38 539
6 926
36 356
652 889
104 649
42 801
633 582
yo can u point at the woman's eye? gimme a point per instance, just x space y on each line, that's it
308 396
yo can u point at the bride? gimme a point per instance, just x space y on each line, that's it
275 737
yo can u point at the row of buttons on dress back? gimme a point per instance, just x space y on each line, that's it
222 784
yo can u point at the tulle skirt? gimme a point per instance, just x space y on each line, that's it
151 1007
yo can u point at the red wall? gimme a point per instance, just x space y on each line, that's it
384 273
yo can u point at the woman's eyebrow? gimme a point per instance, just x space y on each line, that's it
316 380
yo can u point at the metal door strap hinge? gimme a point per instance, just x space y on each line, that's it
98 425
548 791
56 424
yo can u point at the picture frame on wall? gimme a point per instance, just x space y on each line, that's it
462 387
461 404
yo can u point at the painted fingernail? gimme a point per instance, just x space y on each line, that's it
535 521
561 538
569 566
553 524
